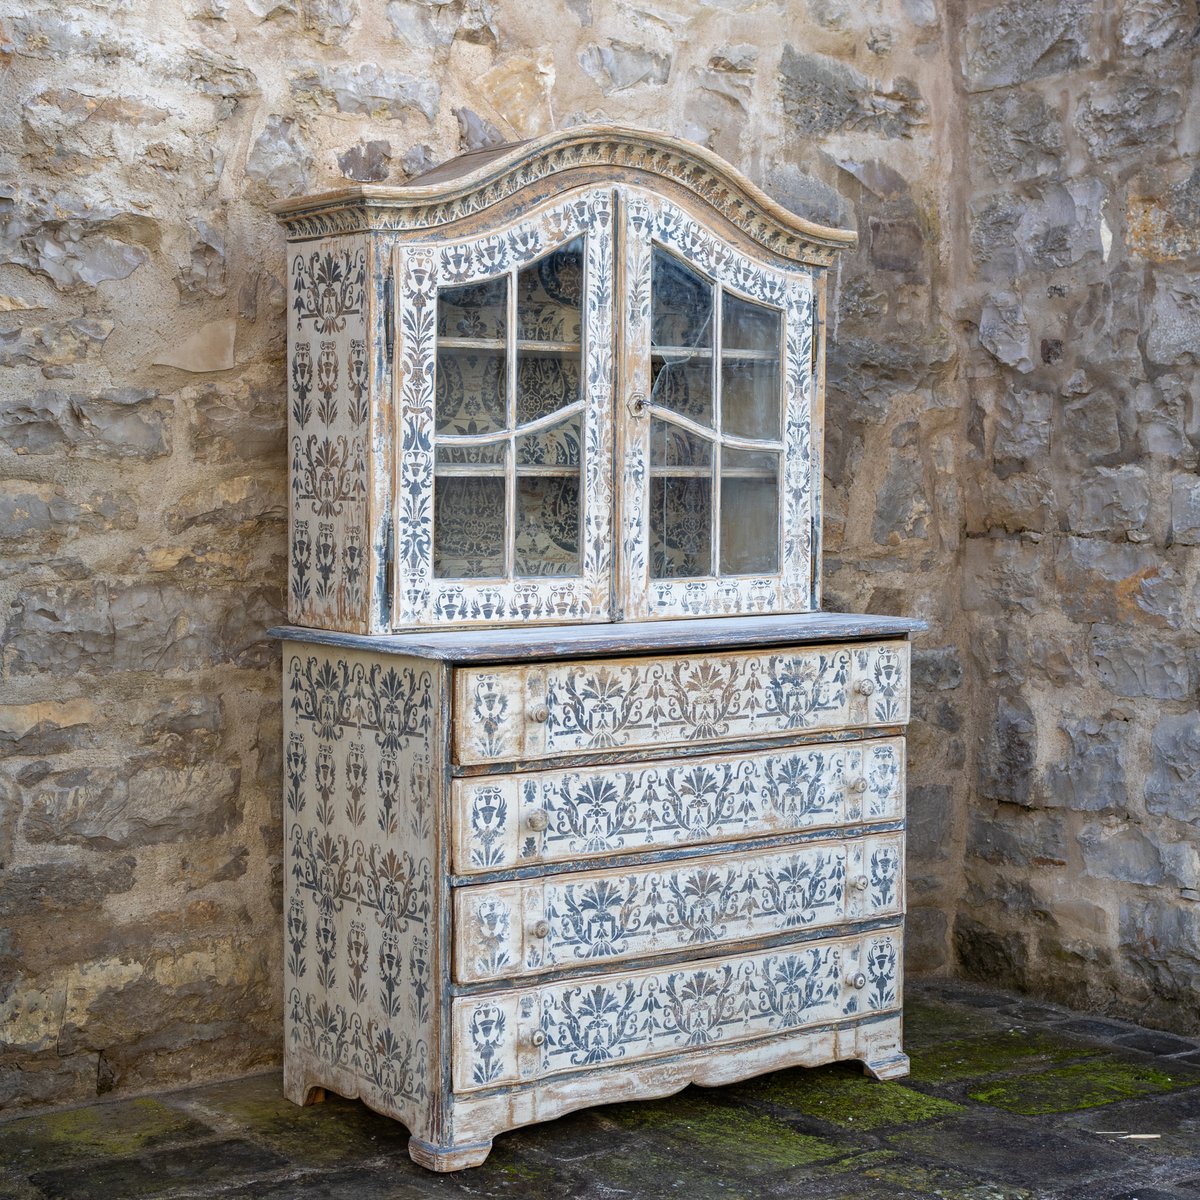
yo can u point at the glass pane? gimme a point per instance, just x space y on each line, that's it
671 446
750 399
684 385
680 527
749 512
550 296
471 391
749 326
558 445
751 392
493 452
545 383
547 535
468 526
682 304
479 310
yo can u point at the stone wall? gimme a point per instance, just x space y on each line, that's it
1081 198
1008 434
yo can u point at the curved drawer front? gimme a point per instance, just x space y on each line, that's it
584 919
509 713
505 821
528 1034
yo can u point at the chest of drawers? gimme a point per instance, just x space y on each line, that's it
531 871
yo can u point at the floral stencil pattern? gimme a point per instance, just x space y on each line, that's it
624 809
627 1018
505 929
693 699
327 433
358 980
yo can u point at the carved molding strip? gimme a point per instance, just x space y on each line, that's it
474 183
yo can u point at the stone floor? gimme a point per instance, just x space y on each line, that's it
1007 1099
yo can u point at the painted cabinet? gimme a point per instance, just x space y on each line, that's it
584 796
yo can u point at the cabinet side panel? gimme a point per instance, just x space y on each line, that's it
329 439
363 906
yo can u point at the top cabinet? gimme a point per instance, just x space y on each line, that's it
572 380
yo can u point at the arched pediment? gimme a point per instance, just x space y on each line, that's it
483 180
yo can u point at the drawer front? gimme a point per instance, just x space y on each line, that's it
524 1035
505 821
584 919
548 710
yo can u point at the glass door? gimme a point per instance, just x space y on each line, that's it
505 378
718 449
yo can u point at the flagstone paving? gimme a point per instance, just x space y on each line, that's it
1007 1100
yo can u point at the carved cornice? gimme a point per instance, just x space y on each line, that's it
587 154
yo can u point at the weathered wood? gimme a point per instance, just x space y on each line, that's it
539 856
645 637
590 918
546 711
563 816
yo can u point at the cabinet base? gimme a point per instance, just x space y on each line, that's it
448 1158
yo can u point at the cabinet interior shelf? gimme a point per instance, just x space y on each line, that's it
499 470
728 354
523 345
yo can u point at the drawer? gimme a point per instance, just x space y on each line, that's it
505 821
527 1034
591 917
503 714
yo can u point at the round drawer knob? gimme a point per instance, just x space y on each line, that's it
857 981
541 929
541 714
538 1037
538 820
859 785
860 883
865 687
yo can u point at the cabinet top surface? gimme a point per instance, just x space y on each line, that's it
476 180
581 641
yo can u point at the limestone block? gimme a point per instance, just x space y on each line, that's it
1090 776
620 65
1130 666
116 424
1175 760
1173 321
1109 500
1016 134
821 96
1185 508
1131 114
1018 40
368 89
210 348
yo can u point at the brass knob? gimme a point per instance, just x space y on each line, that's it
541 929
864 687
538 1037
859 883
637 404
538 820
857 981
541 713
859 785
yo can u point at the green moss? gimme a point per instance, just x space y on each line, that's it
942 1182
927 1023
317 1135
1083 1085
1012 1050
844 1096
103 1130
739 1138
